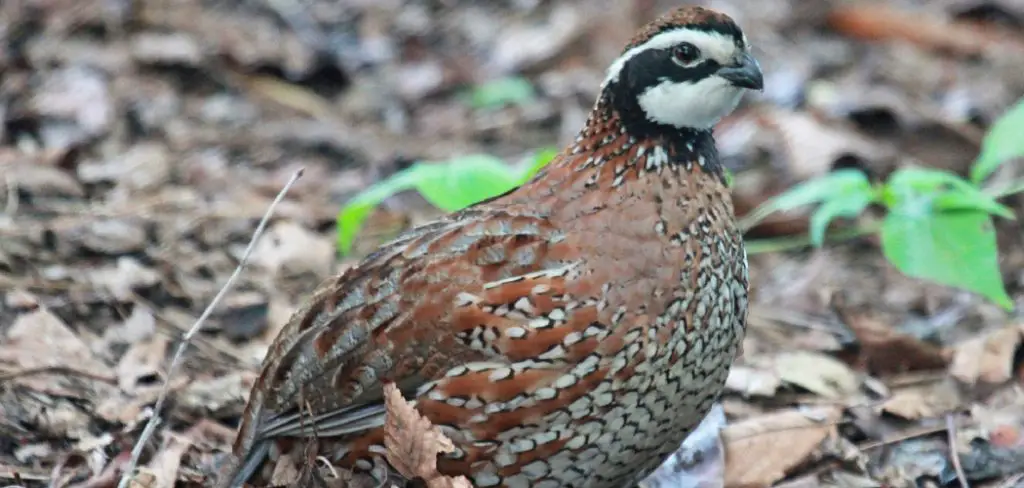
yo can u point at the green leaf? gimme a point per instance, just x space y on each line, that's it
839 184
540 159
730 179
973 201
503 91
1004 141
926 179
951 248
450 186
464 181
352 215
941 190
851 206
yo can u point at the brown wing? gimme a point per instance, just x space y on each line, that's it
471 294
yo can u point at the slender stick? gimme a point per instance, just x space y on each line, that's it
147 432
789 243
954 455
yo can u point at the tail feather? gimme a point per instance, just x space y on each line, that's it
330 424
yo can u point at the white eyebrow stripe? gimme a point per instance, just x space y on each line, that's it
714 45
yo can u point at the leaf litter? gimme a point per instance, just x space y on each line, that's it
140 147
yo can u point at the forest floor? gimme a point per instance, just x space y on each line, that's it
141 142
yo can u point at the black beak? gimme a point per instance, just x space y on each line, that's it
745 74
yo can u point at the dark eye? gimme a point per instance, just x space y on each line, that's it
685 53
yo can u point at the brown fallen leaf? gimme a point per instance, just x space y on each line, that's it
813 144
285 472
166 463
987 359
143 360
30 414
292 249
39 341
40 174
929 400
884 350
753 457
817 373
873 21
413 443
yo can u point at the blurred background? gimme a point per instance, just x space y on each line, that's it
141 142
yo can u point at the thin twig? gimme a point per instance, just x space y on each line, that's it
954 455
790 243
147 432
55 472
904 437
11 207
180 327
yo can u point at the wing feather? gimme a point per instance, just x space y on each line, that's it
420 298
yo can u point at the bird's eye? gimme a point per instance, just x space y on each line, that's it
685 54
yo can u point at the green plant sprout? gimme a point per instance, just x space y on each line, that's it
938 226
513 90
448 185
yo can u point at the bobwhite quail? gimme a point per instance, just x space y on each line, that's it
571 332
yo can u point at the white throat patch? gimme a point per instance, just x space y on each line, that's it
698 105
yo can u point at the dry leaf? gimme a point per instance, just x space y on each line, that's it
30 414
875 21
142 360
285 472
109 236
122 280
813 145
217 393
910 404
988 359
817 373
39 339
924 399
37 173
752 381
413 443
77 93
884 350
753 457
522 45
139 326
143 479
290 248
166 48
165 464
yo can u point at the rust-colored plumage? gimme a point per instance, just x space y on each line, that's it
569 333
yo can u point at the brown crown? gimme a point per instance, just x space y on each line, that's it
685 16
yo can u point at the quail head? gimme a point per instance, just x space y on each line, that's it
569 333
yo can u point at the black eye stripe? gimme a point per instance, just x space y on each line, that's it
656 66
